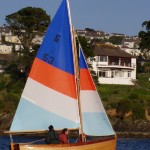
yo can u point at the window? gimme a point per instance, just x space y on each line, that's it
103 73
103 58
129 74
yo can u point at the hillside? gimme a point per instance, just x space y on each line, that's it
128 107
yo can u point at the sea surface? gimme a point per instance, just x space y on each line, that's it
122 143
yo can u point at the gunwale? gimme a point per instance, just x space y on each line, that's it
110 142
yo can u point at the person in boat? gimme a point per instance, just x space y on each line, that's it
52 136
63 137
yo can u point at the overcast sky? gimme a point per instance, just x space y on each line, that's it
111 16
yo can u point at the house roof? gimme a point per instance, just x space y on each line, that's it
109 50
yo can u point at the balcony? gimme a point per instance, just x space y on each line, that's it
114 65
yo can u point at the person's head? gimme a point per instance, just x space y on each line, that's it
51 127
65 131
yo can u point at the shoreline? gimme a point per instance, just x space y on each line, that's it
136 135
133 135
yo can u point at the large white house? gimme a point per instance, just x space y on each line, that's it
113 66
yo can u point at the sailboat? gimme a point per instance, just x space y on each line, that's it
60 91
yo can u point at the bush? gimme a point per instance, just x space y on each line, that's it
133 96
138 110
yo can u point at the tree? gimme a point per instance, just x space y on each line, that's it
145 37
26 24
87 48
117 40
138 110
147 67
123 107
89 29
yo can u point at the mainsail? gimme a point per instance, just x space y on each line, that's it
50 96
94 118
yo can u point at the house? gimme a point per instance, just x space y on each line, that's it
131 46
132 51
6 48
117 34
91 34
7 36
113 66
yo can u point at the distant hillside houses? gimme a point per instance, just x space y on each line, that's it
9 41
7 36
114 64
129 43
92 34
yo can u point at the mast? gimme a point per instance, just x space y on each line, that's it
76 66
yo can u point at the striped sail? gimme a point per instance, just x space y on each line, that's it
94 118
49 96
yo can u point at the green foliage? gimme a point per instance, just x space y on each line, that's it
145 36
117 40
89 29
147 67
29 19
14 71
87 49
10 102
99 41
26 24
140 68
133 96
138 110
143 81
123 107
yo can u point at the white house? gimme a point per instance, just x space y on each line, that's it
5 48
113 66
132 51
131 45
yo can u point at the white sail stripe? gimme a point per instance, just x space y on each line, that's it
90 101
61 104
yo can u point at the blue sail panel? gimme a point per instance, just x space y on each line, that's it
56 48
82 62
96 124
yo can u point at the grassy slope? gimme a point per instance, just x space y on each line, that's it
112 94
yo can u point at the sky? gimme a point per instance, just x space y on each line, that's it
110 16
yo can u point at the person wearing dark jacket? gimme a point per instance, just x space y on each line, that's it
52 136
63 136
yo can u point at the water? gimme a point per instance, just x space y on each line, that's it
122 144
